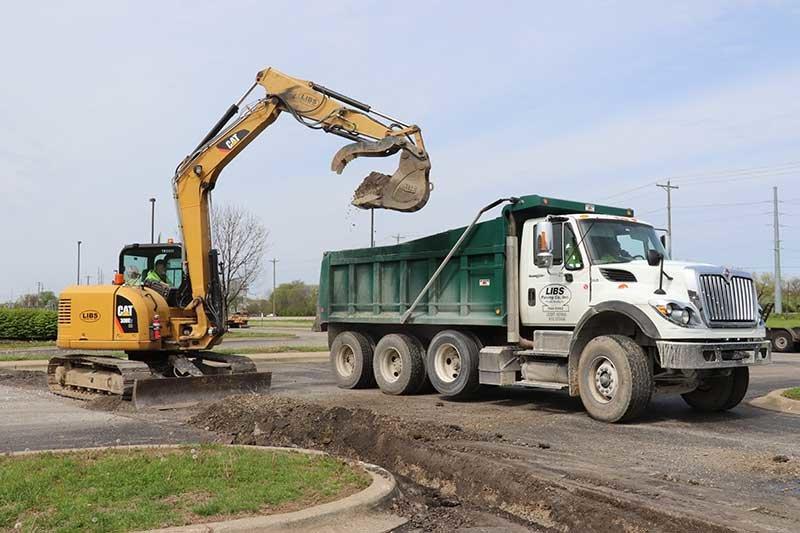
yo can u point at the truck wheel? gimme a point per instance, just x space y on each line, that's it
351 360
399 364
615 378
720 393
452 363
782 341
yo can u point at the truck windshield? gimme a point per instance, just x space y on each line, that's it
617 241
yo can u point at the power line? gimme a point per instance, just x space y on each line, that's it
723 176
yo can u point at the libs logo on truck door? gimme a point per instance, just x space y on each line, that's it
228 143
555 301
125 316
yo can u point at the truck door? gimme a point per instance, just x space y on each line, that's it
557 296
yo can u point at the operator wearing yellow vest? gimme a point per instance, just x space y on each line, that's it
159 273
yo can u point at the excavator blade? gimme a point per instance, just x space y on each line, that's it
408 189
170 393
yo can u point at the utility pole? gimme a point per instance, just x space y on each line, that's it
274 285
152 220
397 237
79 262
776 226
372 228
668 187
88 279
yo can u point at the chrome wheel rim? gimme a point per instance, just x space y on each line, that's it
605 379
447 363
390 365
781 343
345 360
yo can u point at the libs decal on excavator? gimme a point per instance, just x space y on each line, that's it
228 143
90 315
126 316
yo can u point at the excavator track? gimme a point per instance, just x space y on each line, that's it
85 377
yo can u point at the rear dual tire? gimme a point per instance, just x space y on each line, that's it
399 364
351 360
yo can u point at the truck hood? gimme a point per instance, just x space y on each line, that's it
614 282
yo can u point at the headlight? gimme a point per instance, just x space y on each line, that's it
674 312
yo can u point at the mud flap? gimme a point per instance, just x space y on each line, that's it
171 393
408 189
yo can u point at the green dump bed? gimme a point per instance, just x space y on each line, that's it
377 285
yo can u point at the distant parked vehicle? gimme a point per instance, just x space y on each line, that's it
783 338
239 320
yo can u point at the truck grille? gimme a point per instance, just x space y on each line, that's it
64 311
729 302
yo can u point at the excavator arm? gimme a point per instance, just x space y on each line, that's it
373 134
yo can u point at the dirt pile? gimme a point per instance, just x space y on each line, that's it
448 460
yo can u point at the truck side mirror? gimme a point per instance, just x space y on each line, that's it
654 257
543 245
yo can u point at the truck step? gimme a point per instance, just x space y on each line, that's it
549 385
541 353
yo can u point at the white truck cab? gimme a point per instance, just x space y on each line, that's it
586 276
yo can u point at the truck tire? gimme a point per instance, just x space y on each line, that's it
615 378
351 360
399 364
720 393
782 341
452 363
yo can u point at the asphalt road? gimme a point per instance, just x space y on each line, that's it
33 419
740 468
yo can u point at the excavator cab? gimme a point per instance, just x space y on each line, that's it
137 260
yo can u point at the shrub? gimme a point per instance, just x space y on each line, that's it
28 324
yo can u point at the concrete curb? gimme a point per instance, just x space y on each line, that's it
326 517
774 401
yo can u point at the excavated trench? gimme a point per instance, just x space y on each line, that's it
458 466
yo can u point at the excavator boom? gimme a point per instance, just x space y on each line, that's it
168 331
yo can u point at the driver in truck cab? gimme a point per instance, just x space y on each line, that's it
159 273
609 250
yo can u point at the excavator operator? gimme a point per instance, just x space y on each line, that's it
159 273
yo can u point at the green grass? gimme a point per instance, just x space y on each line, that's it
784 321
16 345
792 394
300 323
243 333
271 349
123 490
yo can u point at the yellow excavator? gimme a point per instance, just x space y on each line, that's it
167 328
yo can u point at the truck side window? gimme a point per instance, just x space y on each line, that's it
573 260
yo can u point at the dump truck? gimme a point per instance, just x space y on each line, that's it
552 294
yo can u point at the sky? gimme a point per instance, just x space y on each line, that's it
591 101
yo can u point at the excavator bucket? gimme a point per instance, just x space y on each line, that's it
170 393
408 189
